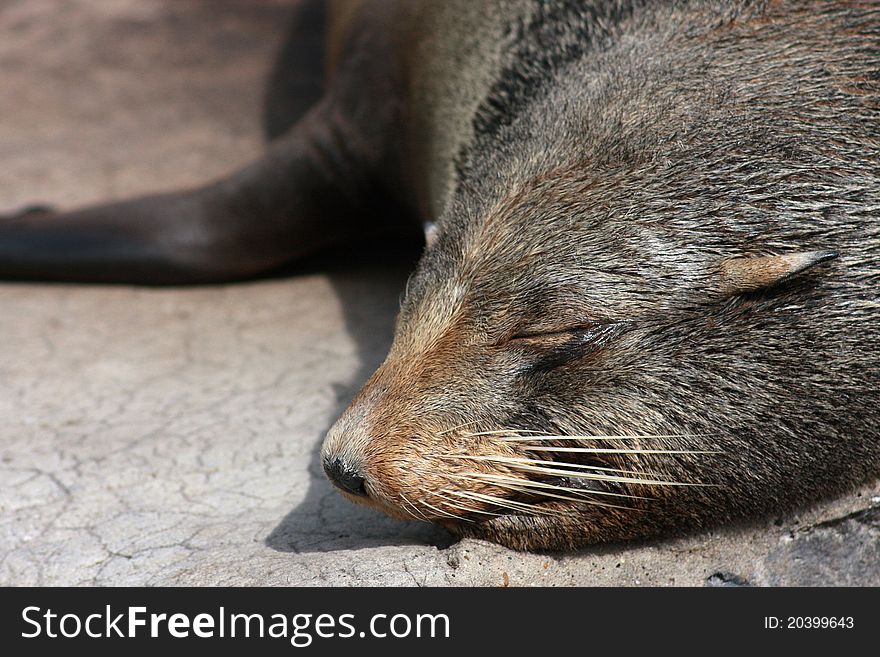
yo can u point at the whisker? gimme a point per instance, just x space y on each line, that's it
507 504
527 465
460 426
459 505
417 513
500 479
498 431
583 466
609 437
510 459
614 450
581 500
444 513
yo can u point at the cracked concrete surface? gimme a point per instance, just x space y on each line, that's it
170 436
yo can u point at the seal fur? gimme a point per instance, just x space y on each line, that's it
652 301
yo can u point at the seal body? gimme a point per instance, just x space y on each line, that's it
649 301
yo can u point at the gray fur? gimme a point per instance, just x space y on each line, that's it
685 134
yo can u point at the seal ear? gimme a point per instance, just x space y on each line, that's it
740 275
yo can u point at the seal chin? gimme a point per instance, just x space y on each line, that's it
517 532
532 532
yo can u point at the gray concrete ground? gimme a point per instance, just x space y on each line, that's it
170 436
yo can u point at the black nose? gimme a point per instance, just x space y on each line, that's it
344 477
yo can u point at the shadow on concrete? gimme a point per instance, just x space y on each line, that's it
368 279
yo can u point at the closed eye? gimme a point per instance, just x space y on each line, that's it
582 333
554 348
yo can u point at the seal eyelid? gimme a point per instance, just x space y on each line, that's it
536 334
547 351
581 333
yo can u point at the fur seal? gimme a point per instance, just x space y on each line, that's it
649 298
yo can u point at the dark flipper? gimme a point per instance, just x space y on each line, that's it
308 191
297 80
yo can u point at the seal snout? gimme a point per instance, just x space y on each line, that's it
344 477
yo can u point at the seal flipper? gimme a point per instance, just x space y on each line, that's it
306 192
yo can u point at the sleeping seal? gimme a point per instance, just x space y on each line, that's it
648 300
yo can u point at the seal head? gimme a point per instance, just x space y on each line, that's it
647 293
